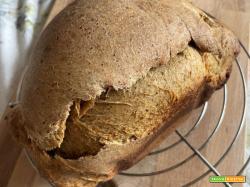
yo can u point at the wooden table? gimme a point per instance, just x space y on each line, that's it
16 170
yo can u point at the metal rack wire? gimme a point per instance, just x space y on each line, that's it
197 152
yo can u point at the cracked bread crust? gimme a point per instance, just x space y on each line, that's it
115 157
118 117
112 44
107 44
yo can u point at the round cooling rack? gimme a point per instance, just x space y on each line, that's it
190 132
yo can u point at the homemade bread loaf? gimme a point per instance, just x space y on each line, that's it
107 79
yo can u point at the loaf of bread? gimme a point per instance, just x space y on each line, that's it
107 79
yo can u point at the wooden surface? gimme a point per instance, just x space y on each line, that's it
16 170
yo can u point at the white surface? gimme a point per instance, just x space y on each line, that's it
20 22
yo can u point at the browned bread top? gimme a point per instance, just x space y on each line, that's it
93 45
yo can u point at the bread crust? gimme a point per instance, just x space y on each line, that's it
79 60
93 45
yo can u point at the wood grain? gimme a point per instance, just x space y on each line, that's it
17 171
